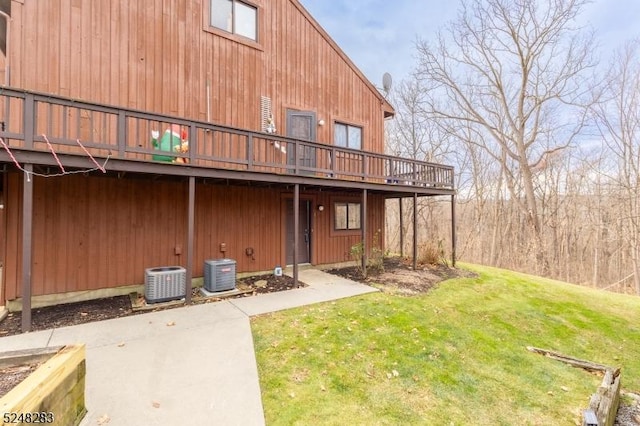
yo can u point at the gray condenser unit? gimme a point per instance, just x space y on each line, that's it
164 283
219 275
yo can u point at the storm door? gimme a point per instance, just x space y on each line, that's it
301 125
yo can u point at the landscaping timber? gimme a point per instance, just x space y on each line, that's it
54 390
605 402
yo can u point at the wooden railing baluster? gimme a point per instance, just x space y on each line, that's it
122 133
29 118
273 154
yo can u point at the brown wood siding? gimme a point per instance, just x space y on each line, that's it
13 243
241 218
96 232
328 248
100 232
3 225
331 247
158 56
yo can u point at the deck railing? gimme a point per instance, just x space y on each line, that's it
34 121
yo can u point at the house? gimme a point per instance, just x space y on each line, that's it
138 134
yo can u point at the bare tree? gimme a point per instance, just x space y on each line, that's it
618 120
513 71
411 133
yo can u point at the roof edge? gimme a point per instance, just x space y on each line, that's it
388 109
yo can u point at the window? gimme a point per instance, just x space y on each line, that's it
346 216
348 136
235 17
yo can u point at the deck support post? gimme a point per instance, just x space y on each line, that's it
190 231
453 231
27 240
415 230
401 215
363 223
296 231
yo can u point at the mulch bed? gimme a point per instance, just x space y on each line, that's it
399 277
120 306
68 314
13 375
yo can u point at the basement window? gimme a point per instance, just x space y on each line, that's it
346 216
235 17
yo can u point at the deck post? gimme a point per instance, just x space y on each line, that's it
363 223
415 230
296 230
453 230
27 228
401 214
190 231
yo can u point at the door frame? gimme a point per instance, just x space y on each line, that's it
283 225
289 113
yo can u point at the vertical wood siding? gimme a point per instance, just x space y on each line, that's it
3 225
101 232
333 247
158 55
95 232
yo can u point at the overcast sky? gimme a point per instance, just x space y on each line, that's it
379 35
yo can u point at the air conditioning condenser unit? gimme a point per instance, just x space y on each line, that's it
219 275
164 283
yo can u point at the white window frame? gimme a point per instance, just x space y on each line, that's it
347 127
234 15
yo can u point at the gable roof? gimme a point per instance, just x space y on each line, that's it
389 111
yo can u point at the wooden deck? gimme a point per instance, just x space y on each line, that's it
65 129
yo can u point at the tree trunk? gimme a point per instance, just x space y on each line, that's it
534 221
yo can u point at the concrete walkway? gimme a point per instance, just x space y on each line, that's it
193 365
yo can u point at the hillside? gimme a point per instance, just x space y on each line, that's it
456 355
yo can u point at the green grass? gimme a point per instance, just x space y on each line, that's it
456 355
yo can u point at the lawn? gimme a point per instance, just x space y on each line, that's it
456 355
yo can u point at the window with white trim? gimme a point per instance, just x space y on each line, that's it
235 17
346 216
347 136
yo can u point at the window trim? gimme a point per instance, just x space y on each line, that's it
348 126
206 26
346 231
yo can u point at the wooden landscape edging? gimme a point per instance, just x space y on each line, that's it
56 386
29 356
605 402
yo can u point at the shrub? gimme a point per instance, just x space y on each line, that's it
428 254
376 258
375 261
357 251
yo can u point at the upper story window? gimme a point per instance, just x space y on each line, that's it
235 17
347 136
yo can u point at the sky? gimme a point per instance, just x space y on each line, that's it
380 35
